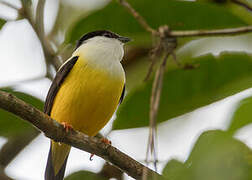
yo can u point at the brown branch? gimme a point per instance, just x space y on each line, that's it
138 17
218 32
40 20
56 131
154 106
243 4
38 26
189 33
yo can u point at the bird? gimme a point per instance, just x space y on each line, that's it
85 92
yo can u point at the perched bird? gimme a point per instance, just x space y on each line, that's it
86 91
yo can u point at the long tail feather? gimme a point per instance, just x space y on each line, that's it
50 170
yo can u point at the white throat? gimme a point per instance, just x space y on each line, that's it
101 49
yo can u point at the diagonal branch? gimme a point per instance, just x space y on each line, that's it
38 26
216 32
56 131
137 16
189 33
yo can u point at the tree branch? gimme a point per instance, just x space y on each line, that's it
137 16
217 32
38 26
56 131
9 5
40 19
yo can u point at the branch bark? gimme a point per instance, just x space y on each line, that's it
56 131
38 26
217 32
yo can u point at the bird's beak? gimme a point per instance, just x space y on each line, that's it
124 39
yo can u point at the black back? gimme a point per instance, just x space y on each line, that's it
57 81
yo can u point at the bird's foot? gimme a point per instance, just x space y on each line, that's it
67 126
104 140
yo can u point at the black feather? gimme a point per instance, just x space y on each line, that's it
122 95
49 172
57 81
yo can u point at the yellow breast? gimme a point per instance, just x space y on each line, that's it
88 97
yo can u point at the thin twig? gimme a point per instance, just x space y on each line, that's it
40 19
49 52
243 4
154 106
138 17
218 32
56 131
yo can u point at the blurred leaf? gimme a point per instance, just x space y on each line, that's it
15 144
2 22
218 156
175 170
11 125
185 90
178 15
84 175
242 115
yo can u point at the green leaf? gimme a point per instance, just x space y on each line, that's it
185 90
84 175
179 15
235 9
175 170
11 125
242 115
216 155
2 22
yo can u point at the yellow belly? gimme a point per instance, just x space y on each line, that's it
87 98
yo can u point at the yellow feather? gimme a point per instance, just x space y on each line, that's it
87 99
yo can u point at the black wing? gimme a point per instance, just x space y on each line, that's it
58 80
122 96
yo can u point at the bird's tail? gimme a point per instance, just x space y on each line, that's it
56 162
